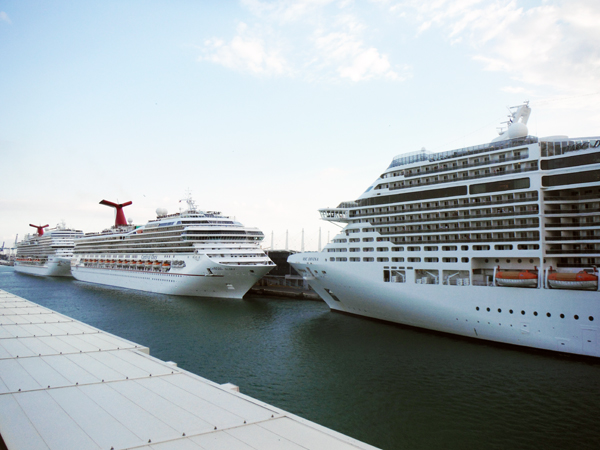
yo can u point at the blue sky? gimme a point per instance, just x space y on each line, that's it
267 110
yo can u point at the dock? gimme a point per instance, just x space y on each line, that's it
67 385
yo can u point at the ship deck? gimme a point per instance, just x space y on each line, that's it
66 385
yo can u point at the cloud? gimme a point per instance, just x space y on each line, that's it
4 17
352 58
310 39
247 53
554 44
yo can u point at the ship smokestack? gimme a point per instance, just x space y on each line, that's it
40 229
120 218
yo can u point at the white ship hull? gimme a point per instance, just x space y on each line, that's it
54 267
548 319
201 277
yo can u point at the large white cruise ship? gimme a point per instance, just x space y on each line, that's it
499 242
193 252
47 253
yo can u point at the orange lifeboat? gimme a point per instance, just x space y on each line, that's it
579 280
516 278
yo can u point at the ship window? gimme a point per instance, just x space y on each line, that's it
368 259
414 259
383 259
592 176
465 260
573 161
397 259
507 185
449 260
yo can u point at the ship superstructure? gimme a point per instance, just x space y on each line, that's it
499 241
192 252
47 253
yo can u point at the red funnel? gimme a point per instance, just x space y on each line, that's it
40 229
120 219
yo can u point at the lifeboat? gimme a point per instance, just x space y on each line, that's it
166 264
580 280
157 263
516 278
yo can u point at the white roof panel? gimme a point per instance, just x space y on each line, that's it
66 385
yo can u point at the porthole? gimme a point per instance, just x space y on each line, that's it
497 261
523 312
519 261
531 261
576 317
487 309
499 310
487 260
591 318
510 311
548 315
535 313
508 261
477 308
562 316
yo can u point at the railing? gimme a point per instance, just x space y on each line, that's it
567 146
461 240
424 155
356 213
572 225
468 177
410 173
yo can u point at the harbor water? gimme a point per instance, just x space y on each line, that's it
391 386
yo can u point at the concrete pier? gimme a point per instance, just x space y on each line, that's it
66 385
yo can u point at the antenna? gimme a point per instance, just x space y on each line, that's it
120 218
40 229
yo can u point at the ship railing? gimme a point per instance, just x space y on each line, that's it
459 217
423 155
473 203
557 148
572 225
574 252
467 229
335 214
572 238
490 241
554 212
570 198
464 178
415 173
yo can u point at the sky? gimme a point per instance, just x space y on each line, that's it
267 110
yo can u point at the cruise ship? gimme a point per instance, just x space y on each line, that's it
192 252
47 253
499 241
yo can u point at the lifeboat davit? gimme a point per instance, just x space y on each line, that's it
516 278
580 280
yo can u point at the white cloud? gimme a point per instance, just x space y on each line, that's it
314 39
4 17
246 52
554 44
